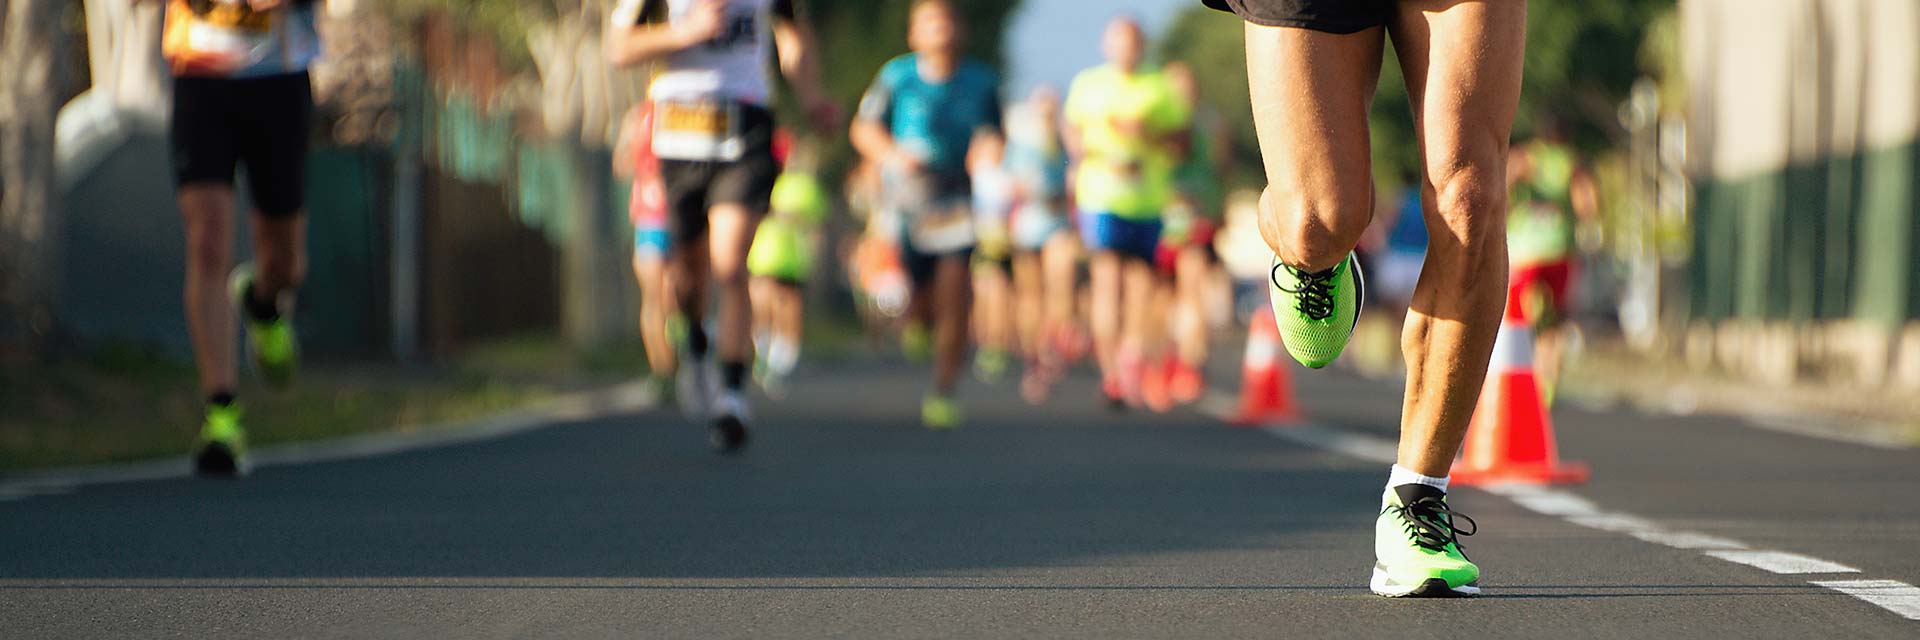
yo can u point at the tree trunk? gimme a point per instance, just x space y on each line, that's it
30 42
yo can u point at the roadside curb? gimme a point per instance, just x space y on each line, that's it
570 407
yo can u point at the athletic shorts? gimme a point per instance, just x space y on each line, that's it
1034 225
921 267
220 124
695 187
1331 16
915 198
651 243
1131 238
1554 279
1167 258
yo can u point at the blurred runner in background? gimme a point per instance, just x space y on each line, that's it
781 262
1186 248
661 327
995 329
713 132
241 97
918 122
1123 128
1045 252
1551 191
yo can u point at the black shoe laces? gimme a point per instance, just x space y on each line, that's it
1314 295
1431 523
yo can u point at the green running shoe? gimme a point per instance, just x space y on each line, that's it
990 365
271 345
222 449
939 413
1416 547
1316 312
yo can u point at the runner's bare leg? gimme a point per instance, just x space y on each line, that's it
207 212
733 227
1462 61
1311 91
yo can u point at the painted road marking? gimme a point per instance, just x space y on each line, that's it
567 408
1898 597
1892 595
1687 540
1338 441
1781 562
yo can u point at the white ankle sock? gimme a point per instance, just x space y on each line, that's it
1402 475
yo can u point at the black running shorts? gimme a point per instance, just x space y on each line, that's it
222 123
1331 16
694 187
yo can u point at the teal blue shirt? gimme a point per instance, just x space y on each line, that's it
937 120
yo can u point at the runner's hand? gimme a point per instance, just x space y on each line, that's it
906 161
703 22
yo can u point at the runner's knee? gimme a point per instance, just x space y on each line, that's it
1315 231
1471 202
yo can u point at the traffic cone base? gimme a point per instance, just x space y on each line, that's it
1266 390
1511 437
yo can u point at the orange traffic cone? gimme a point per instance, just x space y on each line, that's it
1511 437
1266 388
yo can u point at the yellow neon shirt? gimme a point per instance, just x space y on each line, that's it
1126 174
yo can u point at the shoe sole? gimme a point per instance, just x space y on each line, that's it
216 460
728 435
1384 585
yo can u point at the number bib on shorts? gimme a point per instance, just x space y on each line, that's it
942 230
702 131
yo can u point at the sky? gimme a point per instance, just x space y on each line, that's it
1051 40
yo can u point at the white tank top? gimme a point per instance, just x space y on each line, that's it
731 67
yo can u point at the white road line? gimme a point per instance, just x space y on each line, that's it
1781 562
1898 597
1687 540
571 407
1337 441
1892 595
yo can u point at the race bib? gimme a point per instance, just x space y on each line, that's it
942 230
220 38
697 131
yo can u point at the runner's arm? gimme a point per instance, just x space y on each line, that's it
869 131
639 30
800 61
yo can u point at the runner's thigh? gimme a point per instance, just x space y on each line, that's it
1311 90
1462 61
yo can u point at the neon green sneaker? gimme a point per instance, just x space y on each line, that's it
990 365
222 449
1416 547
939 413
916 342
271 345
1316 312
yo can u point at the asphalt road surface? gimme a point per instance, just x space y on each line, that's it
846 519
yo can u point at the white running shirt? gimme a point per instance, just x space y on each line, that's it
731 67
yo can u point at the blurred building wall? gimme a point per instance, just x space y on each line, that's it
1804 150
1804 116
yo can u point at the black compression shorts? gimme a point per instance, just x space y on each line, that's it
694 187
220 124
1331 16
